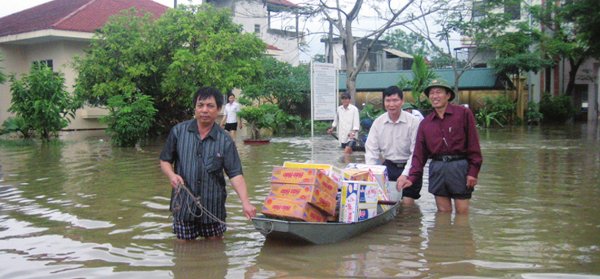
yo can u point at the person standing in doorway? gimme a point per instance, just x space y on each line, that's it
231 122
392 138
193 158
448 136
347 122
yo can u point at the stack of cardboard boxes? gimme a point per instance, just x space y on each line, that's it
320 192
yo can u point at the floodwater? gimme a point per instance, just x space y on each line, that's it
79 208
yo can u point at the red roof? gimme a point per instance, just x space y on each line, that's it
284 3
272 47
72 15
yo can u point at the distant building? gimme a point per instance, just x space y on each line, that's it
380 58
261 16
57 31
551 80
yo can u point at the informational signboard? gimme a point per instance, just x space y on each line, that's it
324 91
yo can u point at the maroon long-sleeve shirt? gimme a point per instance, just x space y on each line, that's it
454 135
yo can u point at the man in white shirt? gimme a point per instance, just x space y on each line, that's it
230 121
392 139
347 122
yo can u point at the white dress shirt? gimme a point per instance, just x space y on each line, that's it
231 110
346 121
394 141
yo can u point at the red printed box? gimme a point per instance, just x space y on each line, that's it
278 207
310 185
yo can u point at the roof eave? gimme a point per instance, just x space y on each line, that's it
45 35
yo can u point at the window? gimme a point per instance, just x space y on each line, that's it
47 62
257 28
513 9
478 9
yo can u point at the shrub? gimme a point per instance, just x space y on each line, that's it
16 125
533 115
556 109
266 116
130 118
41 101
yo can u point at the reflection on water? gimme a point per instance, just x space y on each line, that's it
81 208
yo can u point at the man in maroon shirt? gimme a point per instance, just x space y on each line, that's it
449 137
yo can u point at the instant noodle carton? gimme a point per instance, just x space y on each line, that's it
295 165
379 171
291 209
358 200
309 185
355 174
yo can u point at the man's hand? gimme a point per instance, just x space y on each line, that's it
471 182
249 210
330 130
403 183
176 180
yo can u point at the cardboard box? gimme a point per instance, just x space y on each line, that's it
366 211
355 174
278 207
358 199
310 185
378 173
294 165
323 200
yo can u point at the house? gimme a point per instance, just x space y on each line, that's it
380 58
58 31
54 33
552 80
261 16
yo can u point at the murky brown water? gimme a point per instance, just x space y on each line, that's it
83 209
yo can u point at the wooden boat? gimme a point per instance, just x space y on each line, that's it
321 233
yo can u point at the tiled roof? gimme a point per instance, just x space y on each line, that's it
282 3
472 79
72 15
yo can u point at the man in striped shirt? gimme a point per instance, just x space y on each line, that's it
194 157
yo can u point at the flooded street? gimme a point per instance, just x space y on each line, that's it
80 208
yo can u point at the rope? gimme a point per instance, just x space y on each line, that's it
196 204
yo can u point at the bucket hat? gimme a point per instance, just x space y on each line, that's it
440 83
408 105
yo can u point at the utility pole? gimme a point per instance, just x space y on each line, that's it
330 45
174 4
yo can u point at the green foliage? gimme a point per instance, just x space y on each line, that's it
499 110
168 59
533 114
514 54
411 43
2 75
41 101
16 125
266 116
422 75
486 117
369 111
586 16
556 109
130 118
282 84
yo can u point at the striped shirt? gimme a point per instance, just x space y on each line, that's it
201 163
